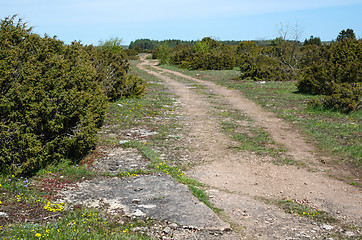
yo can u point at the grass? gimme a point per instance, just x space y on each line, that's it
336 134
82 223
300 209
303 210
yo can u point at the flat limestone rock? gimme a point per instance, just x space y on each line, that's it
158 197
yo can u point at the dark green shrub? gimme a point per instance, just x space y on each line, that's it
162 53
267 63
313 41
131 54
259 67
132 86
113 44
180 53
51 102
337 74
310 54
346 34
207 54
112 72
345 98
339 63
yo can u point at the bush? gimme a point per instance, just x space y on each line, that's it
346 98
112 73
259 65
53 97
208 61
180 53
339 63
131 54
336 74
162 53
207 54
268 63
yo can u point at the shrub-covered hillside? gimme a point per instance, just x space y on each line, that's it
53 96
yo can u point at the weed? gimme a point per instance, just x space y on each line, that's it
302 210
82 223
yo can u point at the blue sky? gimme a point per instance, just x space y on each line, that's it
90 21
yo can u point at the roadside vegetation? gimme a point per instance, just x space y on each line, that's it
54 99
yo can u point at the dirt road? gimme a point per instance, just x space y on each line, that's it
240 183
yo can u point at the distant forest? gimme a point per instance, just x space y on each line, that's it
148 44
145 44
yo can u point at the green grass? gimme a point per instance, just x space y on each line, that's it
334 132
303 210
82 223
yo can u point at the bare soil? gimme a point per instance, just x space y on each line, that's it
239 181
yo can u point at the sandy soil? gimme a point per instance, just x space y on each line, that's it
239 180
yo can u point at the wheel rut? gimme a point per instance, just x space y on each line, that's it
240 182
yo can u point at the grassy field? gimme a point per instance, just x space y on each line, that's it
338 135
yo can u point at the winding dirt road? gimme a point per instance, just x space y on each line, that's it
239 181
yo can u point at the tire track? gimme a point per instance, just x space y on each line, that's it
236 179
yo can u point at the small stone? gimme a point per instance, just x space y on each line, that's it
123 141
350 234
167 230
139 213
4 214
173 226
136 229
136 201
148 206
327 227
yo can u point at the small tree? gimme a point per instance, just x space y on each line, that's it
312 41
346 34
163 54
206 45
113 44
